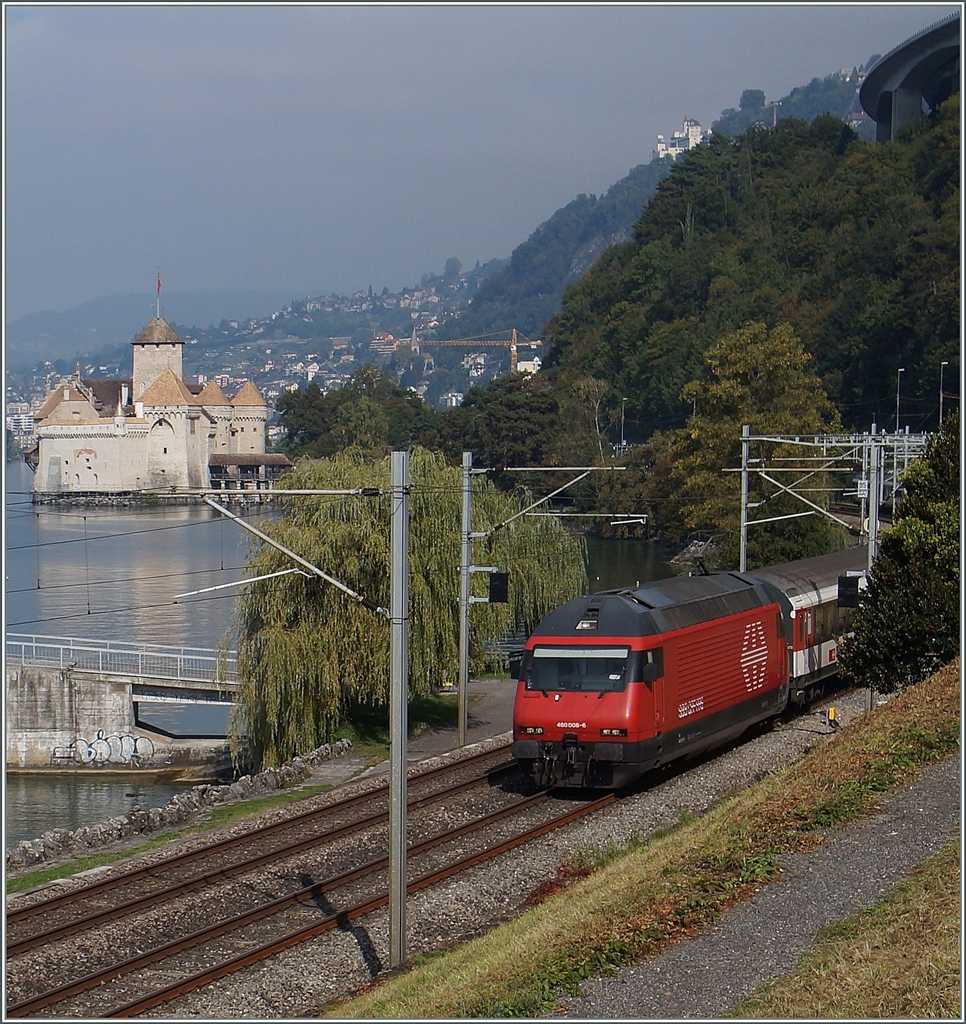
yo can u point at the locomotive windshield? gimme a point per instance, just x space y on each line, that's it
588 669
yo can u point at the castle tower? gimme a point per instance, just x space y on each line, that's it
218 405
156 349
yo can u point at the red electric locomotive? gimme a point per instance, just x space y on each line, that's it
622 681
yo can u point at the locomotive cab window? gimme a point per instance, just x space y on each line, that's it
585 669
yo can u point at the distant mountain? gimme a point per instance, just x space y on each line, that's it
114 320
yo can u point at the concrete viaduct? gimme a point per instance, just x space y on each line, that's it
919 74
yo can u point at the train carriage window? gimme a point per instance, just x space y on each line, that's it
587 669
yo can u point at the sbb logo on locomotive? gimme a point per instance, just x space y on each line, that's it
754 656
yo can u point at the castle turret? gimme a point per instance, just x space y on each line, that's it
248 419
156 349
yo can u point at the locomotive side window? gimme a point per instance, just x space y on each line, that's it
652 665
587 669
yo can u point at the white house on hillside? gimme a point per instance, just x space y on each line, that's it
690 135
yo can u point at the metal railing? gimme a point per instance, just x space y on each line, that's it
110 658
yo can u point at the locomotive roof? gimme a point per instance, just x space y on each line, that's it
664 605
658 607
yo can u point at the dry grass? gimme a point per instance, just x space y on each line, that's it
677 884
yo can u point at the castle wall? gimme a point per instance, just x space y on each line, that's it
247 431
93 457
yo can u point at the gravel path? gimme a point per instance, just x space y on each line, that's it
764 937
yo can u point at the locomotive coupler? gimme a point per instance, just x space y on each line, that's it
543 767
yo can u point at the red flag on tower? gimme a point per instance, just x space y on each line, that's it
159 280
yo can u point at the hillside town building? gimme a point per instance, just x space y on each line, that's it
690 135
154 432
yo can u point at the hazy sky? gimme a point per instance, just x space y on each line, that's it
329 147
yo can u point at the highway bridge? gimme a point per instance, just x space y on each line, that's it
918 74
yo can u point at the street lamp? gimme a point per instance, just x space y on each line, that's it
623 442
945 362
899 374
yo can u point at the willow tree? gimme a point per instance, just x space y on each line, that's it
308 653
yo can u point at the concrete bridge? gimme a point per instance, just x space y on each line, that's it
74 702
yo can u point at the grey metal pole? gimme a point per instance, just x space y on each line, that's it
464 665
874 466
743 554
398 707
899 374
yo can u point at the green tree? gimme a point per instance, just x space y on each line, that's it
451 270
756 376
371 412
308 654
907 623
513 421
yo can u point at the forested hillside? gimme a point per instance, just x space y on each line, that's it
836 94
526 293
855 246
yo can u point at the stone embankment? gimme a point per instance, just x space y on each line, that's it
61 843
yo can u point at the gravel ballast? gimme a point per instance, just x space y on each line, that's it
298 982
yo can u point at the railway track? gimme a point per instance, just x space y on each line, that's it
136 889
151 968
320 871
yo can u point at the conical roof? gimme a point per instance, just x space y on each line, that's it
158 332
248 394
211 394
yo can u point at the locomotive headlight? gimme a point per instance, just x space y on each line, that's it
613 732
531 730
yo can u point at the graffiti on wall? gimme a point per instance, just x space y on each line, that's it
113 749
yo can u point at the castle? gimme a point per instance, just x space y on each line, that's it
154 432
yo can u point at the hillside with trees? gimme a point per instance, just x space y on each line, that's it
527 291
855 246
836 94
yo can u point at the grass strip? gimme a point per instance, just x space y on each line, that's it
899 959
676 884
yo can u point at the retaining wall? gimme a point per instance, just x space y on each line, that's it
69 718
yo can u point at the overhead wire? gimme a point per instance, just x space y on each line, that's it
112 611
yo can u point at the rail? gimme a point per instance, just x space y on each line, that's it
111 658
